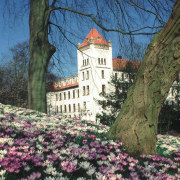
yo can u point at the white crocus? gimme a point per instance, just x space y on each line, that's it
85 164
91 171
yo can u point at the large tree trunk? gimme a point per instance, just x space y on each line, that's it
136 125
41 52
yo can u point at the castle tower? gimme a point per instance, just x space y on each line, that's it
94 57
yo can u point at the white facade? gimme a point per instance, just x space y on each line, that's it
77 96
94 72
173 93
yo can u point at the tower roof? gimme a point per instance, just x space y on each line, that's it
96 37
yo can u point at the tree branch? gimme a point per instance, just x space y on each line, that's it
146 10
101 26
53 4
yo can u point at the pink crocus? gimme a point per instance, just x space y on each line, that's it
104 158
68 166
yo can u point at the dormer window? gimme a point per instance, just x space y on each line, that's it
98 38
87 39
73 80
56 85
68 81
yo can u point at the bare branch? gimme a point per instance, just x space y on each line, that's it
101 26
53 4
148 11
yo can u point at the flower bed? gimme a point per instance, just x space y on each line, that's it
35 145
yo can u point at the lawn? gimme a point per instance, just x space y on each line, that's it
34 145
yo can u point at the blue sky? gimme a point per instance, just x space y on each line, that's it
14 28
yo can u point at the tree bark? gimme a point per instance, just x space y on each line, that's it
136 125
41 52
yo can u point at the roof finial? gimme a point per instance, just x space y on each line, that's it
109 43
79 45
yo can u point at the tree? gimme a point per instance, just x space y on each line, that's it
157 72
112 102
43 17
136 125
14 76
41 52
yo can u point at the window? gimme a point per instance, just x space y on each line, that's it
87 90
84 91
61 109
126 76
103 89
64 95
60 97
172 92
99 61
83 62
102 61
78 93
102 74
116 76
56 97
87 61
122 77
69 95
65 108
68 81
74 108
84 105
87 75
83 77
78 107
69 108
56 109
73 93
104 105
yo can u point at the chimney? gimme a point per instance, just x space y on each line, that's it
119 57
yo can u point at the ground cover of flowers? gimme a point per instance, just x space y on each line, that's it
34 145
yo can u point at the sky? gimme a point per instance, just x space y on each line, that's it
14 28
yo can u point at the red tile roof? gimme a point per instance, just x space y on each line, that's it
120 64
98 39
65 85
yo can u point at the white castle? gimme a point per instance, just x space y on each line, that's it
77 96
